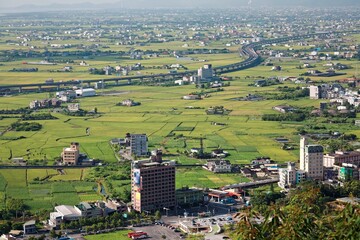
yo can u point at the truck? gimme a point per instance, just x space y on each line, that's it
137 235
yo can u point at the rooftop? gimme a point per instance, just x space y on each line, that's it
66 210
28 223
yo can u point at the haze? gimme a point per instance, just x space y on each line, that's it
186 3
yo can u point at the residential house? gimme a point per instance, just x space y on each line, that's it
29 227
218 166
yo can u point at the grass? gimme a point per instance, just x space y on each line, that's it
118 235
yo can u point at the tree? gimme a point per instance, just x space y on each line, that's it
15 205
53 233
157 215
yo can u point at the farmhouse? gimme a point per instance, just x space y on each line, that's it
75 107
129 103
283 108
218 166
260 161
191 97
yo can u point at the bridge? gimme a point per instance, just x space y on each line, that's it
253 59
251 184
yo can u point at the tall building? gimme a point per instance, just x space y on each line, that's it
289 177
70 156
138 144
153 184
206 73
311 160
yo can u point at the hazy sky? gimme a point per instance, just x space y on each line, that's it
188 3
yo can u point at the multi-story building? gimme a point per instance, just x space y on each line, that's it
289 177
137 144
311 160
348 172
70 156
153 184
340 157
206 73
315 92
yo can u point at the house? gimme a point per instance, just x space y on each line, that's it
75 107
276 68
191 97
283 108
218 166
116 205
247 172
260 83
219 153
129 103
261 161
29 227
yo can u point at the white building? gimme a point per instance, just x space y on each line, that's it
86 92
64 213
289 177
315 92
311 160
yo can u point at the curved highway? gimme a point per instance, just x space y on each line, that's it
249 51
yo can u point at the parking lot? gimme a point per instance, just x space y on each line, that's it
157 231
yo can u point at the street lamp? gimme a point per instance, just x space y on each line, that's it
167 211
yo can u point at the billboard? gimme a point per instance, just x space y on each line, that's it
137 177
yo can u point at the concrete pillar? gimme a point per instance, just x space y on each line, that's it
117 82
129 81
39 88
89 84
20 89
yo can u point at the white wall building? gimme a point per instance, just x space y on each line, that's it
86 92
311 160
289 177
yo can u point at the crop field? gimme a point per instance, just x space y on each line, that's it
171 123
162 114
198 177
21 184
